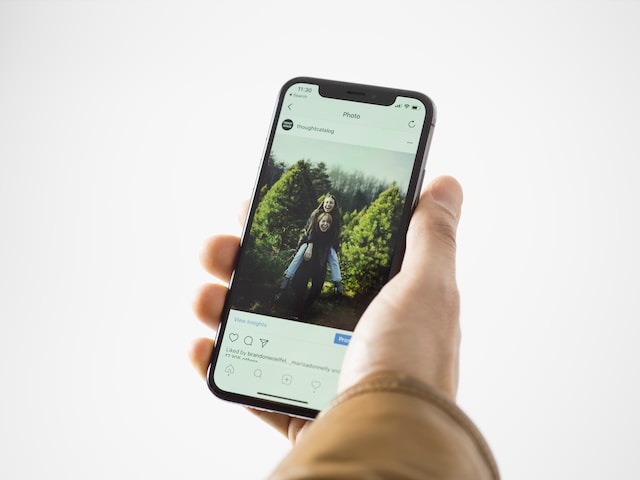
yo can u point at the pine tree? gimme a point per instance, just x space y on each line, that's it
368 242
281 216
320 178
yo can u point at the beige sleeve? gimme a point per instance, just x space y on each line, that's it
389 426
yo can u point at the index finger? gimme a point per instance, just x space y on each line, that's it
219 255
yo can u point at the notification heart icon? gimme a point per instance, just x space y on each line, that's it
233 337
315 384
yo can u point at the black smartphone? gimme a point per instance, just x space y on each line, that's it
339 178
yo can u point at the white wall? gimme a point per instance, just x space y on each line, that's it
130 131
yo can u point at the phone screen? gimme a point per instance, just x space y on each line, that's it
325 232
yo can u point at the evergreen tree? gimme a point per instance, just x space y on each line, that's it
320 178
368 241
275 169
281 216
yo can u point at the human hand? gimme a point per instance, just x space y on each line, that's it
411 327
218 258
308 253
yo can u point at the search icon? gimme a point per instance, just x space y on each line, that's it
257 373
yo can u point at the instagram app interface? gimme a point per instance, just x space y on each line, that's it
318 245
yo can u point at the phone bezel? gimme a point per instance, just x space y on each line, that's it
354 92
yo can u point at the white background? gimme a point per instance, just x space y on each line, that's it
130 132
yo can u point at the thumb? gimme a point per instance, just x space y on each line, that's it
431 238
412 326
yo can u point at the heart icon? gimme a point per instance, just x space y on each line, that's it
233 337
315 384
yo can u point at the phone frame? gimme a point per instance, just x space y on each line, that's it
355 92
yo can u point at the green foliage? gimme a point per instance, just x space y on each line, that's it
287 198
349 217
274 171
368 241
278 222
281 216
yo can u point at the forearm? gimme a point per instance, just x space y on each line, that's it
396 427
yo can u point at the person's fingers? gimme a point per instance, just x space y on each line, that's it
200 355
431 254
220 251
412 326
243 211
208 304
290 427
431 238
219 255
218 258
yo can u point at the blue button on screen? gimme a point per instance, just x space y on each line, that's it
341 339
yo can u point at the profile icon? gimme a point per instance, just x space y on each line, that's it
287 124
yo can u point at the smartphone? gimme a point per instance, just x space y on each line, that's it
338 180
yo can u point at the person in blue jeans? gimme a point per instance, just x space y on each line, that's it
314 265
329 204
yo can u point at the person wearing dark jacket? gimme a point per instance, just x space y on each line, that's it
319 241
329 204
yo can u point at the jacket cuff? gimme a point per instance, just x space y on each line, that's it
391 382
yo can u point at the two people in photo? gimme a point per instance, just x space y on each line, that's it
317 247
